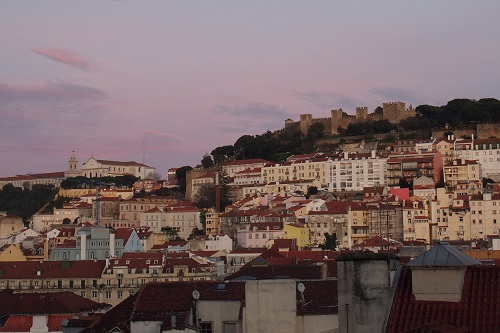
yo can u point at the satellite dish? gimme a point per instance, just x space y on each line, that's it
196 294
301 287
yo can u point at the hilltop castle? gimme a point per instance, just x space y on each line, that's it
392 111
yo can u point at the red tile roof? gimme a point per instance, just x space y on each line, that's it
250 161
156 301
117 317
320 297
17 324
477 311
47 303
52 269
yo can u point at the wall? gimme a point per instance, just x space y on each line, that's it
485 131
392 111
364 283
446 283
219 312
273 302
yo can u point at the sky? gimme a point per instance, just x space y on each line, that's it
162 82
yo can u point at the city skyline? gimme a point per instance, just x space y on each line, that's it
169 81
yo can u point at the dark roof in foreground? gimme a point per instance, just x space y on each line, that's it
477 311
46 303
443 255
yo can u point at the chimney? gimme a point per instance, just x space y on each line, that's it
112 245
346 155
374 153
83 247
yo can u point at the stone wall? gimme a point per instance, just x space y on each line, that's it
486 131
393 111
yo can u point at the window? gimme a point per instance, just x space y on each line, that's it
82 294
120 294
229 328
206 328
108 294
94 294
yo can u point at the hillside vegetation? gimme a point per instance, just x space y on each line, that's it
279 145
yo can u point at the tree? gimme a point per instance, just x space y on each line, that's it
330 242
220 154
205 196
153 175
315 131
197 232
207 162
311 190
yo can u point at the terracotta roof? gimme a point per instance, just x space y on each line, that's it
47 303
243 250
129 163
123 233
289 271
117 317
51 269
17 324
156 301
320 297
477 310
249 161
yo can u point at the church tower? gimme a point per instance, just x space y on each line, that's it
73 167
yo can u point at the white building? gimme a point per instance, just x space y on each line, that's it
182 219
486 152
352 172
105 168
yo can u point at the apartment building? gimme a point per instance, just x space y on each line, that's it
410 166
130 210
60 216
182 219
233 167
27 181
354 171
460 170
416 219
247 177
487 153
257 235
98 243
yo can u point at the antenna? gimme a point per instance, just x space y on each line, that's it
143 151
301 288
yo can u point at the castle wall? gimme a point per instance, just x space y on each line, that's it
392 111
486 131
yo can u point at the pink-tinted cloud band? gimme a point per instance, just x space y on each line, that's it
66 57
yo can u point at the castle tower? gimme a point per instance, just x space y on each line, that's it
72 167
336 116
361 113
306 121
394 111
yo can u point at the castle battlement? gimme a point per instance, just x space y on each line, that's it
392 111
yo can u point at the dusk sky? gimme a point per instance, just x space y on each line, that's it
170 80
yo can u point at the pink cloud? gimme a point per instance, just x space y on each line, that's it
66 57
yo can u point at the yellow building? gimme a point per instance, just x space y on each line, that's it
298 232
460 170
212 223
12 252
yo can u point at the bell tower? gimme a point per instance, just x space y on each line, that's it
72 167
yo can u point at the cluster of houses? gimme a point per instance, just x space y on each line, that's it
229 271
